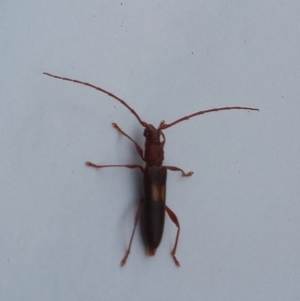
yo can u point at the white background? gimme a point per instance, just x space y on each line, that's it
64 227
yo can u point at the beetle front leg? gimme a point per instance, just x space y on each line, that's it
174 219
136 220
90 164
184 174
138 148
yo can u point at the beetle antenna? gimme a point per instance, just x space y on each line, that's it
164 125
144 124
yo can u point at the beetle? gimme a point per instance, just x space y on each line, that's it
152 207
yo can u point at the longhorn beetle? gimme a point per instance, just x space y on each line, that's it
151 208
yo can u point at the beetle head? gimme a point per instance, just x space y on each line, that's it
154 147
152 134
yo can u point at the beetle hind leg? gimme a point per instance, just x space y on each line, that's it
136 220
174 219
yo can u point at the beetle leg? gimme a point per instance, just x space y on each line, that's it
138 148
174 219
184 174
90 164
136 220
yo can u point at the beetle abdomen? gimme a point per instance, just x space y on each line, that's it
153 206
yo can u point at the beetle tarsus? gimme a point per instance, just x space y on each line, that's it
123 261
175 259
188 174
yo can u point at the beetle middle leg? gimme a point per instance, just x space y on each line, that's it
174 219
184 174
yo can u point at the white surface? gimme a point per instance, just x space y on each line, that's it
65 227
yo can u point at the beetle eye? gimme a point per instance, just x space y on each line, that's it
146 133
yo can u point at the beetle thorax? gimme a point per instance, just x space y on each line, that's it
154 147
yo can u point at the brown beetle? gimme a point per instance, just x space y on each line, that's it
151 209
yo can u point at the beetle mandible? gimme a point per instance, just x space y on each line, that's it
152 207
